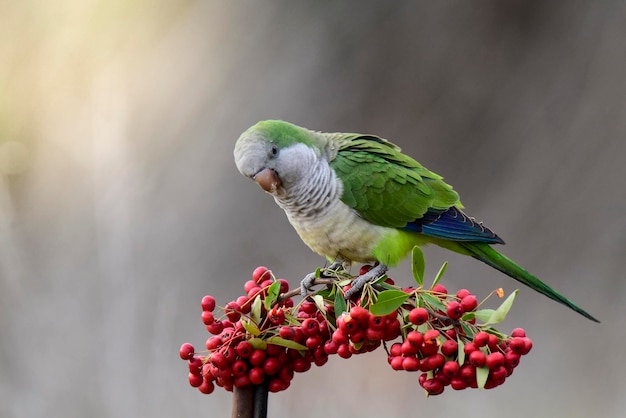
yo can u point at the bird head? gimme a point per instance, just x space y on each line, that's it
277 155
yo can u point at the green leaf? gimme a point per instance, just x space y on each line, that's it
340 303
440 273
276 340
258 343
319 301
251 327
418 265
388 301
499 314
255 310
433 301
481 315
272 294
482 373
460 351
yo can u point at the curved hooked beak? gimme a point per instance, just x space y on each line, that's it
268 180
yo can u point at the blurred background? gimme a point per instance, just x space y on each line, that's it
120 204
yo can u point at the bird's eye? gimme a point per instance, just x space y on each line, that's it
274 149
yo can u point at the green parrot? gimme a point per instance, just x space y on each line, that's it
358 198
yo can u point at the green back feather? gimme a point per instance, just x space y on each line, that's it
385 186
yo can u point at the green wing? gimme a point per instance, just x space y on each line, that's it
385 186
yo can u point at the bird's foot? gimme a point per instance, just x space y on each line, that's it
306 285
359 283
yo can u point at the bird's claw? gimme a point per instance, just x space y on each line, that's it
359 283
306 285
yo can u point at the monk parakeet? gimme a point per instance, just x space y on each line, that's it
358 198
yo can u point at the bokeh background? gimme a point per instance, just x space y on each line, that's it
120 204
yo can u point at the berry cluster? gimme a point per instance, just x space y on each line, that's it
262 337
450 351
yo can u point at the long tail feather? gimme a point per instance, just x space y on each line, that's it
493 258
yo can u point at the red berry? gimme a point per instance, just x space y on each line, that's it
233 311
208 303
195 365
428 349
454 310
308 307
254 292
518 332
207 317
276 315
287 332
373 334
331 347
392 329
271 366
284 285
256 375
481 339
186 351
511 359
468 374
360 315
300 365
357 337
458 384
415 338
257 358
244 349
395 350
242 381
310 327
249 285
409 349
219 360
207 387
433 386
212 343
494 360
410 364
469 348
469 303
430 336
418 316
347 324
449 348
451 369
343 351
376 322
364 269
239 368
276 385
434 361
216 327
286 373
439 288
461 293
259 274
477 358
313 342
499 375
195 380
396 362
340 337
274 350
493 342
517 345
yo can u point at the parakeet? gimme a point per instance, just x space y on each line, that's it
358 198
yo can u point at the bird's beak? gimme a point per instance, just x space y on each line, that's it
268 180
